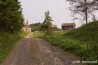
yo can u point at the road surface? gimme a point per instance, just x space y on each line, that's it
30 51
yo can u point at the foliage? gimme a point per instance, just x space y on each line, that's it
11 22
85 8
36 27
87 36
85 33
82 41
46 26
38 34
7 42
11 18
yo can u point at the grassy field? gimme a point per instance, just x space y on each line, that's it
7 42
82 42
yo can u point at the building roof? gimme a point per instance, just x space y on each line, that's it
68 24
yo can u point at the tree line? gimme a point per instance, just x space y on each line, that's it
11 18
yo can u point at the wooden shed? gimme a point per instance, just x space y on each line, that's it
68 26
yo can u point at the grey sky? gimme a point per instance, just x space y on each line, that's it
33 11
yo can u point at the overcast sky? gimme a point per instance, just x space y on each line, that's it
34 11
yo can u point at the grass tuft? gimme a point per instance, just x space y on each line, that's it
7 42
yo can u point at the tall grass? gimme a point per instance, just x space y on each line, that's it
7 42
85 50
38 34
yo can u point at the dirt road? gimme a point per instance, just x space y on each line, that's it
37 52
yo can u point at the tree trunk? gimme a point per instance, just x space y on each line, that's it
86 12
86 15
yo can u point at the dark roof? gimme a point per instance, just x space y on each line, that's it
68 24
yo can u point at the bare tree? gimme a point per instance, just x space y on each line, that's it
85 8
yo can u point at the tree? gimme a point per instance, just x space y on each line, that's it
46 26
11 18
85 8
36 26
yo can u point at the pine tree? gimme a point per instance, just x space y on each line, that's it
46 27
11 19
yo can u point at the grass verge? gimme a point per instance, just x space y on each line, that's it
7 42
86 50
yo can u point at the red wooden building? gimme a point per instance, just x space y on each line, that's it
68 26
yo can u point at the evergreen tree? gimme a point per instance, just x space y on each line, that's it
11 19
46 26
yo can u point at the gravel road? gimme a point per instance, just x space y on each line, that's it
30 51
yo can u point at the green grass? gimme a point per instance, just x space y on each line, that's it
87 36
7 42
82 41
38 34
86 33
